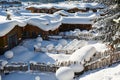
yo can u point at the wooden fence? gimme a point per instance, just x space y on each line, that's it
97 61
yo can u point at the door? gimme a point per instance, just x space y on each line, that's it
12 41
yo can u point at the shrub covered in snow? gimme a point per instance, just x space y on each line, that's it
39 39
4 63
58 47
37 78
50 47
44 49
37 46
65 73
8 54
63 42
77 67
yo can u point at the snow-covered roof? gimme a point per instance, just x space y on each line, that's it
7 26
76 20
45 23
65 13
67 6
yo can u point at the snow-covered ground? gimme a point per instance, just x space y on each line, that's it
108 73
25 53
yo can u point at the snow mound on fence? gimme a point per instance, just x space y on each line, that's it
77 67
65 73
83 54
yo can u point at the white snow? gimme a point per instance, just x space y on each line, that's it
37 78
49 47
39 39
6 27
4 63
77 67
83 54
111 73
67 6
63 42
9 54
64 73
76 20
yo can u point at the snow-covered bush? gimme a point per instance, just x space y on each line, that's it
67 33
8 54
39 39
37 78
58 47
37 46
64 73
44 49
4 63
63 42
75 33
77 67
50 47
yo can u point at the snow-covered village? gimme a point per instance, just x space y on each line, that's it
59 39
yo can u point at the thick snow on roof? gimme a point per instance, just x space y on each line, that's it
7 26
88 15
46 23
46 26
67 6
76 20
65 13
85 53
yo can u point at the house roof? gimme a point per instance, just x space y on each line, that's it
7 26
67 6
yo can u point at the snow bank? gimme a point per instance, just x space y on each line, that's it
83 54
65 73
112 73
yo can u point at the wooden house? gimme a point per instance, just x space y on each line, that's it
11 39
31 31
72 8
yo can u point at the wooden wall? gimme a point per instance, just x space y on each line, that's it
53 10
31 31
68 27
